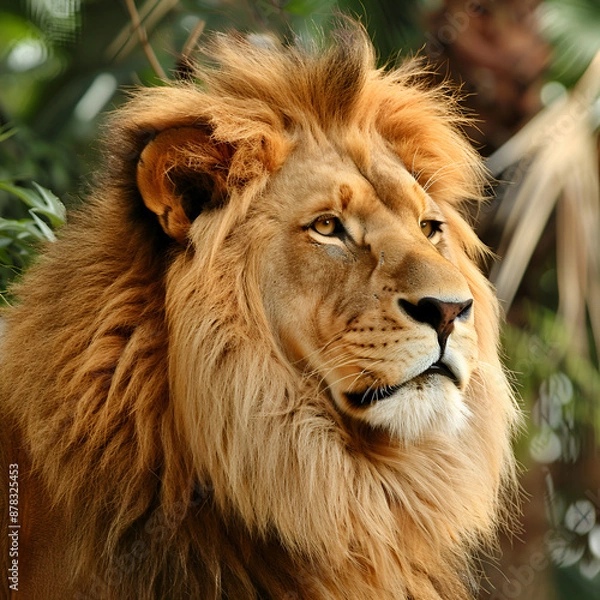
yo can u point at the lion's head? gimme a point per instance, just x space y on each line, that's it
283 255
365 291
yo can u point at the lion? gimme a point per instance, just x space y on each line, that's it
261 362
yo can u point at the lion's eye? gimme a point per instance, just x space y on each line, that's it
327 226
430 227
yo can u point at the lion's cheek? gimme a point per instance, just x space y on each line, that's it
291 319
309 305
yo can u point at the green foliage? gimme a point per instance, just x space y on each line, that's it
307 7
20 238
573 27
542 349
559 388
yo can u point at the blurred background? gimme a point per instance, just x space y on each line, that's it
530 71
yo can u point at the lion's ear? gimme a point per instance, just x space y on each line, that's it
181 172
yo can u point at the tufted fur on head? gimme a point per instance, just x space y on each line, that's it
154 376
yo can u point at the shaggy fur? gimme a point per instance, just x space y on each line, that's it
175 435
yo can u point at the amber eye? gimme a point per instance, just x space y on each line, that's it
430 228
327 226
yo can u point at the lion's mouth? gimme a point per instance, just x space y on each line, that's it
374 394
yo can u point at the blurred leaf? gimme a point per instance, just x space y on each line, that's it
305 8
7 132
560 144
538 355
573 27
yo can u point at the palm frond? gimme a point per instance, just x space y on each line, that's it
562 149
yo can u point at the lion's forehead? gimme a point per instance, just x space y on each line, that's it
375 186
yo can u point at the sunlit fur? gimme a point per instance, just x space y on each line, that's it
178 446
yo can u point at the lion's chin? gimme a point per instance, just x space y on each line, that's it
429 404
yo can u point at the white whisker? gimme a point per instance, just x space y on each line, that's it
435 176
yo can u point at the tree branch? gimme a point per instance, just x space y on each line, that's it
137 26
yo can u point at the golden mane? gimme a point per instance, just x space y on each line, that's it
152 408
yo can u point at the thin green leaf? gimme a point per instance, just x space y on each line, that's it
44 202
44 229
56 211
7 132
26 196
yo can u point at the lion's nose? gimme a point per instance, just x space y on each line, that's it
438 313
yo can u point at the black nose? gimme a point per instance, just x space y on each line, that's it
437 313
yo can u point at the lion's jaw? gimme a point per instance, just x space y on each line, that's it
357 256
